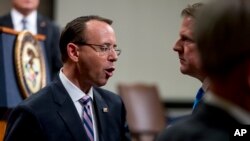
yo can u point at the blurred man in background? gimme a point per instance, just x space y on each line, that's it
24 16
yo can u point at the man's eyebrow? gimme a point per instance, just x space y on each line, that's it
185 37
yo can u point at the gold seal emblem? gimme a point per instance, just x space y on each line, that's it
29 64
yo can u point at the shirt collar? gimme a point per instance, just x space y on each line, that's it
74 92
17 18
237 112
205 84
32 18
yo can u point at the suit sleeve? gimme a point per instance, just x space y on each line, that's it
23 126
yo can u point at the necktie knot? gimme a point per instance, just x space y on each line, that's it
200 94
24 22
198 97
85 100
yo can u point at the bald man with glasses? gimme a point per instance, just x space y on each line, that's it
73 107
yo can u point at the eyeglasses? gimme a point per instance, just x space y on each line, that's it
104 49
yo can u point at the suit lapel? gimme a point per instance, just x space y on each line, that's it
101 109
7 21
41 25
68 112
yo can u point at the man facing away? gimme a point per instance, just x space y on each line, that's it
73 107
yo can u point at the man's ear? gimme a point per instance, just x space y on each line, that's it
73 52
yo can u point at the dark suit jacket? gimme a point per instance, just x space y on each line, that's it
50 115
209 123
51 43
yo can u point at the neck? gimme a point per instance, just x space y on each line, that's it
24 12
74 76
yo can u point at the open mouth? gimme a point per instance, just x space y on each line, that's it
109 71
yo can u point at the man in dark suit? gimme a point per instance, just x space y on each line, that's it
186 48
36 24
221 32
60 111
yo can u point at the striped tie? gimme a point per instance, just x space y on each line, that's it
87 117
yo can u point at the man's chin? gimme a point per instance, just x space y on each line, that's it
183 71
101 83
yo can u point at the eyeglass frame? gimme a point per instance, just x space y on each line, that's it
105 48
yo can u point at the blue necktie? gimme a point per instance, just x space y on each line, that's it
198 97
24 22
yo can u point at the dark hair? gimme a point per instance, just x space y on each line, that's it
75 32
222 33
191 10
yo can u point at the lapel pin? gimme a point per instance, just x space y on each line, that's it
105 110
43 24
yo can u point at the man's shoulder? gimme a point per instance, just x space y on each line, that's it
177 131
186 124
44 96
40 103
5 19
195 127
41 95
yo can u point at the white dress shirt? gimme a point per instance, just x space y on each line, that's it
76 94
31 19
